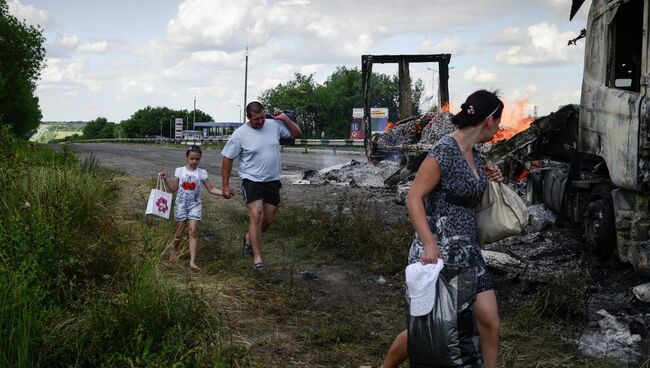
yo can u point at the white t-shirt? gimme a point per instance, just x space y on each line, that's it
258 150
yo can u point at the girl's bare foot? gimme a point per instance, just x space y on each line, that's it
194 267
173 255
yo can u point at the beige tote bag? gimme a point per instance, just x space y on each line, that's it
500 214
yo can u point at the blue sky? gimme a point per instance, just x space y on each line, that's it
112 58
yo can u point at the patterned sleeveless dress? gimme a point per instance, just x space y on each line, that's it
450 211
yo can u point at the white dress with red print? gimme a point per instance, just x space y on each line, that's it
188 199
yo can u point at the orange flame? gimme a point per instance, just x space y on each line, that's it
513 120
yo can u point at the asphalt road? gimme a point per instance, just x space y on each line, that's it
148 160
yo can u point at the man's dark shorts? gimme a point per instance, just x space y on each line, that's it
268 191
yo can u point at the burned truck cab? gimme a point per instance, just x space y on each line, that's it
613 134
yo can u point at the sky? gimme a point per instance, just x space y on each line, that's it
112 58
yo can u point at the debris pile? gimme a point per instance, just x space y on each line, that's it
425 128
353 173
609 337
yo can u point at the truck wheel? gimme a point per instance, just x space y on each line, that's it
599 227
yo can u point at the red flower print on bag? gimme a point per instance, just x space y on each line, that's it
162 204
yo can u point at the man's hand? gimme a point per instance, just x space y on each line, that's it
280 115
227 192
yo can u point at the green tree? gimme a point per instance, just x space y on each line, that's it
21 61
98 129
328 107
299 94
151 121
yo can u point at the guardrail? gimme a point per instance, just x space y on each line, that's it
306 143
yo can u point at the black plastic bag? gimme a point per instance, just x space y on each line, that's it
292 115
447 336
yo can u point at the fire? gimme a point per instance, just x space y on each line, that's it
513 120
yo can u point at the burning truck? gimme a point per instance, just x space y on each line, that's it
588 163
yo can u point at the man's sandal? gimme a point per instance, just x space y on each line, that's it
247 250
259 266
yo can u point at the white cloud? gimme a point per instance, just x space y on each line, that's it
94 47
68 41
559 4
509 37
31 14
453 45
317 31
214 23
60 72
480 75
547 46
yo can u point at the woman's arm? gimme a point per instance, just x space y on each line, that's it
211 188
426 179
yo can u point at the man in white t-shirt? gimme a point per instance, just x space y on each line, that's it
257 145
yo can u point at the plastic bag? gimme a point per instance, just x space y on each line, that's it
447 336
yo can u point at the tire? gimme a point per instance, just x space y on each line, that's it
600 230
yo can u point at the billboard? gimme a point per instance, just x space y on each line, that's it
178 129
378 121
357 130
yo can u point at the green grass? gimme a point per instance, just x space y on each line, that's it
358 235
79 289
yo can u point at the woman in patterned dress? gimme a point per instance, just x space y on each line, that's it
440 205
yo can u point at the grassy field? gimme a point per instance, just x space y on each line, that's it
48 132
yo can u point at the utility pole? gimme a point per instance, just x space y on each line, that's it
194 123
245 84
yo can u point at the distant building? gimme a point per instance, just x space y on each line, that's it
215 128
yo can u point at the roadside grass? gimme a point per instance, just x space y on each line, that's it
80 289
357 233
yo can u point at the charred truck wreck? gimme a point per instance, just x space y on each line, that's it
588 163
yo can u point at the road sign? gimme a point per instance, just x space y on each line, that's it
179 128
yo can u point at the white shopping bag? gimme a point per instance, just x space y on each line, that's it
160 202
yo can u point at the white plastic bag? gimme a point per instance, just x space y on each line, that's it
160 202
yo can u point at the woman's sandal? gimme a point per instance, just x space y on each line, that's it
173 255
195 268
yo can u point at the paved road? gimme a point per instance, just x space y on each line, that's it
148 160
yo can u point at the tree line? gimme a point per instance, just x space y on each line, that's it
146 122
21 61
328 107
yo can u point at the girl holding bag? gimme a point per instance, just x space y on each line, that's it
187 207
440 205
